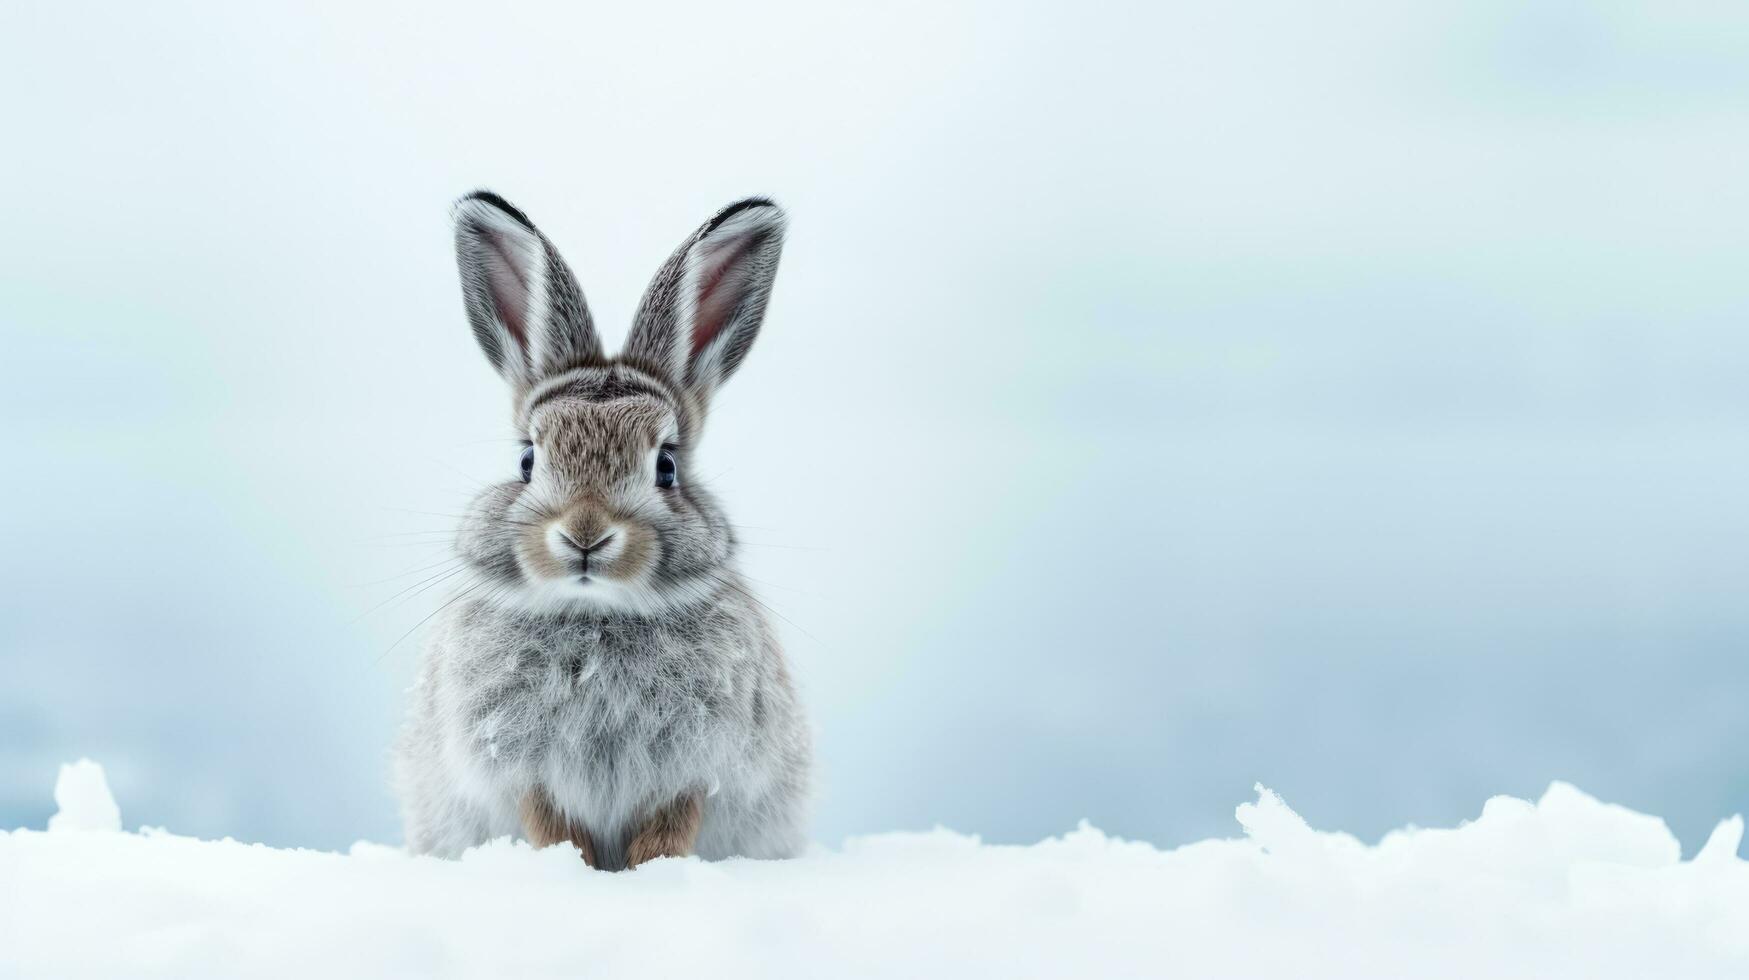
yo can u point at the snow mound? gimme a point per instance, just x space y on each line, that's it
83 800
1564 886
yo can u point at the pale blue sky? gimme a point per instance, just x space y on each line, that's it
1155 399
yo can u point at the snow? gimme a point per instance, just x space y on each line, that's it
1564 886
83 800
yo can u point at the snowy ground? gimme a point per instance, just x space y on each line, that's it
1563 887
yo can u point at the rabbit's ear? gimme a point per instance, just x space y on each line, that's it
524 304
704 307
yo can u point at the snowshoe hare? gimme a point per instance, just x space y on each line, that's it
607 679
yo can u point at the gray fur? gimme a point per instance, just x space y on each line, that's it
652 674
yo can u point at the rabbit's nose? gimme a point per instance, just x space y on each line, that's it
585 549
569 544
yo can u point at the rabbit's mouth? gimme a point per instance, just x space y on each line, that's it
591 594
586 551
596 562
605 548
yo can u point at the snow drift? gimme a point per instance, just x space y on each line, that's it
1565 886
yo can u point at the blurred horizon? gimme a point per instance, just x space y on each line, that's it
1155 399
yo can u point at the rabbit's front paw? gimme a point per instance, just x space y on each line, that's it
544 825
669 832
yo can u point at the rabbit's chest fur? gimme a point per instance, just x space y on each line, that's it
609 716
608 703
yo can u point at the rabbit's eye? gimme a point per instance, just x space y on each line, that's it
527 463
666 471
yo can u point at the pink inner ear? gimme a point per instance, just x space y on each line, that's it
715 302
509 288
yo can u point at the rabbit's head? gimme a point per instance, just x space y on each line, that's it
602 514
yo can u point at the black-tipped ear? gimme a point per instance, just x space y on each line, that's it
701 313
522 300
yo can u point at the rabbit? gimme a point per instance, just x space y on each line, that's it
607 680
